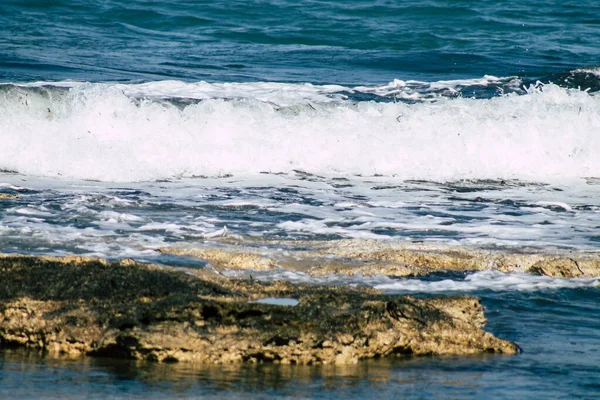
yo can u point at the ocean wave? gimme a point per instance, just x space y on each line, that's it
158 130
587 71
288 94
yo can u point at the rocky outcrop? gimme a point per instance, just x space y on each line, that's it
371 257
81 306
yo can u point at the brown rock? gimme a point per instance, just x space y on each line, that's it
557 267
88 307
225 259
371 257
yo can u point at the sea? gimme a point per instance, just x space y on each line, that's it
131 125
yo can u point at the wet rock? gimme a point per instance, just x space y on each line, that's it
225 259
558 267
80 306
373 257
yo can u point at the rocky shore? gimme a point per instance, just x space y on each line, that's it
80 306
371 257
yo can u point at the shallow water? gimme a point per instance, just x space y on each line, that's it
133 220
558 330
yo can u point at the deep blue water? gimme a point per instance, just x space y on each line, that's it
348 42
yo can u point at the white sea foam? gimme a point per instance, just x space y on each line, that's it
281 94
484 280
218 233
556 204
419 90
97 132
590 71
58 214
488 280
115 217
288 94
12 187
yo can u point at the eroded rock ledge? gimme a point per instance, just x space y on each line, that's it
370 257
81 306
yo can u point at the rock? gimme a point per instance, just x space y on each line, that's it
372 257
557 267
127 262
96 308
224 259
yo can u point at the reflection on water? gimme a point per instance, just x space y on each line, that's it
30 375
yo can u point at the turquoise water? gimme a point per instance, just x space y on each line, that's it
126 126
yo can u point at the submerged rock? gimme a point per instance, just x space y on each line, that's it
82 306
375 257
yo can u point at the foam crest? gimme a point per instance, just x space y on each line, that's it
420 90
588 71
290 94
478 281
103 132
280 94
488 280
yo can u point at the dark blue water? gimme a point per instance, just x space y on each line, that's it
349 42
558 330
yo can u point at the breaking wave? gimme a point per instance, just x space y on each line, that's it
412 130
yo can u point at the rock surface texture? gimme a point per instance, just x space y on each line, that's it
82 306
371 257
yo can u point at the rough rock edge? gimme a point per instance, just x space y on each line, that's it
81 306
370 257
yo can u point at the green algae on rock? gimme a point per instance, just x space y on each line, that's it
81 306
